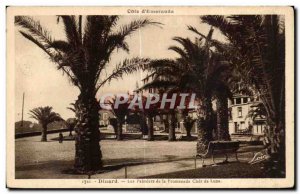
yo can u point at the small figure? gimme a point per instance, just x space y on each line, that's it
60 138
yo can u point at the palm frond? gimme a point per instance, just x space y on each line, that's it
61 46
128 29
35 28
38 43
45 115
71 30
126 67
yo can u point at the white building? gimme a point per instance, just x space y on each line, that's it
239 121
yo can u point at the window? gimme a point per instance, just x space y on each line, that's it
240 114
238 101
245 100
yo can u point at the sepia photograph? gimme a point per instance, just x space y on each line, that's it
150 97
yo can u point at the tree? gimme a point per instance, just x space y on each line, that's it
222 83
45 116
257 50
120 112
150 112
197 69
83 57
170 77
188 123
257 110
203 70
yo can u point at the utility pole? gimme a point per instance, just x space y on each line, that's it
22 109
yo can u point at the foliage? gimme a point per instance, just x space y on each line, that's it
45 115
257 110
87 50
257 51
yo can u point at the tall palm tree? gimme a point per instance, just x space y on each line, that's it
169 76
196 69
224 82
204 70
259 57
45 116
257 50
83 57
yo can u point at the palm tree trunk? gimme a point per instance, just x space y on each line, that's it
44 133
186 124
188 132
88 154
143 124
222 118
150 128
120 131
204 125
172 124
166 123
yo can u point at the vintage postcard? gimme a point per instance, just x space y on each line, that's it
150 97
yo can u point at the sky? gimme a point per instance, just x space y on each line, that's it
44 85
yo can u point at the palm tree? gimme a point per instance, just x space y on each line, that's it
203 70
83 57
45 116
223 82
149 113
197 69
257 50
170 77
259 58
188 123
120 113
222 114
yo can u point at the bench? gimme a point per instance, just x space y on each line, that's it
219 148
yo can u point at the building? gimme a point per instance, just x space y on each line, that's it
105 115
239 120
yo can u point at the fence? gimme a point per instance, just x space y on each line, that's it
37 133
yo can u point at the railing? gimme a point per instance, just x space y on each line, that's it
243 131
37 133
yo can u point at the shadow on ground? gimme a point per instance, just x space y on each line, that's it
230 170
126 137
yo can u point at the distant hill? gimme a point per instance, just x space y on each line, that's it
29 126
